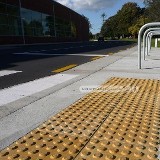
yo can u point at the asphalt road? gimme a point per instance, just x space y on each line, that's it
37 61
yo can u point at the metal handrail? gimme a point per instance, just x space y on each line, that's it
144 39
140 40
149 38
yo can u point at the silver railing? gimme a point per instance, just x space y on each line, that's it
141 33
149 40
145 41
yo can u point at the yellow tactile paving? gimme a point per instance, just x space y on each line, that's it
120 120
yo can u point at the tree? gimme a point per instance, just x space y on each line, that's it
127 16
90 26
126 22
119 24
90 35
134 29
153 10
143 19
109 27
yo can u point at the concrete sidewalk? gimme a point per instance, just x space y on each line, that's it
20 117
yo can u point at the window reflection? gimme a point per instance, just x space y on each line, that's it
2 8
34 23
14 21
65 28
12 10
26 16
4 29
9 19
3 19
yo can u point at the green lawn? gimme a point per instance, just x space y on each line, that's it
129 39
153 43
136 40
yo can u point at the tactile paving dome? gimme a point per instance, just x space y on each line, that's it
120 120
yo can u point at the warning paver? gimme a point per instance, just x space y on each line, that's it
120 120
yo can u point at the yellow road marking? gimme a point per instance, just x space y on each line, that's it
64 68
110 53
94 58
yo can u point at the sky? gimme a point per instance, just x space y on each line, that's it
93 9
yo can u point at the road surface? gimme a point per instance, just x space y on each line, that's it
27 63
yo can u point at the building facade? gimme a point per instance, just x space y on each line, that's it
42 21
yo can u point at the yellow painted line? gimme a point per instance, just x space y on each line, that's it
95 58
110 53
121 50
64 68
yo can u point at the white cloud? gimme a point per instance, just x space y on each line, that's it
93 5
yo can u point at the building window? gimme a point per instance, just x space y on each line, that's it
26 16
3 1
2 8
37 24
14 21
50 25
3 19
13 10
73 30
63 28
4 30
34 23
9 20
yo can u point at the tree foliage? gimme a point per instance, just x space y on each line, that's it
153 10
125 23
130 18
127 16
134 29
90 26
109 27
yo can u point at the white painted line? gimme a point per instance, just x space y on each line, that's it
26 89
8 72
56 49
89 55
45 54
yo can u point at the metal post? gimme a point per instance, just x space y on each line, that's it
149 42
156 42
140 40
22 26
146 48
148 38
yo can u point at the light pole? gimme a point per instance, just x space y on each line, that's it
103 16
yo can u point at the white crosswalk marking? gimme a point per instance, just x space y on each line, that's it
26 89
8 72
